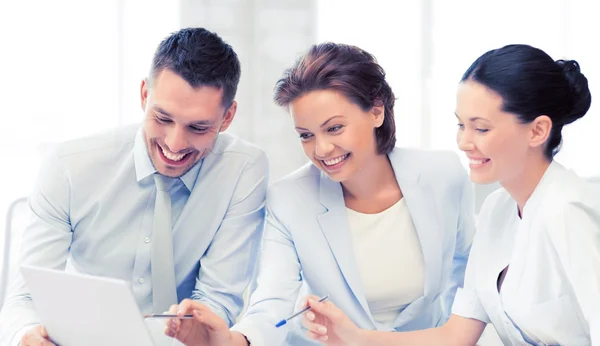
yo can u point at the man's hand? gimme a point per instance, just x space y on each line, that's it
206 329
37 336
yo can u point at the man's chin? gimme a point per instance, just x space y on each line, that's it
169 171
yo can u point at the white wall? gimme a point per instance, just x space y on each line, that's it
69 69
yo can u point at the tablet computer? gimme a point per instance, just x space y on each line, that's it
79 309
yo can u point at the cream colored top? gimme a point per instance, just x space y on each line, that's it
389 259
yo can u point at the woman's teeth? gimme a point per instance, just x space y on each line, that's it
336 160
478 162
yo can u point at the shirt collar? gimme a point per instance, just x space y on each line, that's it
144 167
189 178
553 170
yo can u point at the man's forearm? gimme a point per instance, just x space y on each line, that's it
16 318
214 306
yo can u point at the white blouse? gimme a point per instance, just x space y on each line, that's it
551 292
382 241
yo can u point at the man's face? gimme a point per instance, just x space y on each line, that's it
182 123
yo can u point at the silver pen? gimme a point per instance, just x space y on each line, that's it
184 317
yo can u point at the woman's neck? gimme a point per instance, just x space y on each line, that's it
374 183
524 183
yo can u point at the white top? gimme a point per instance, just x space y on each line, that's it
382 241
551 292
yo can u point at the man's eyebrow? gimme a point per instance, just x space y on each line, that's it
202 123
162 111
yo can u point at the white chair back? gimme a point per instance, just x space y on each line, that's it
16 219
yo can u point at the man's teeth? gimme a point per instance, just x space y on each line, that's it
478 162
335 161
171 156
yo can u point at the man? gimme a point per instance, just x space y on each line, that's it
176 207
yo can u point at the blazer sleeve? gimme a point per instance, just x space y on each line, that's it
464 238
467 302
277 284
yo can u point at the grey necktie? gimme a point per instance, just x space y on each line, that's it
164 286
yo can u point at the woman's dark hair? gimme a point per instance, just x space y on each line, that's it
531 84
349 70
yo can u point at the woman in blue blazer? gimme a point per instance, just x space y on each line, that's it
385 232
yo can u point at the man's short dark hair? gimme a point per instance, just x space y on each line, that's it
201 58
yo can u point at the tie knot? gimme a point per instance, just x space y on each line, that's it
163 183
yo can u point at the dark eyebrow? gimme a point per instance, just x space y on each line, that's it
323 124
202 123
328 120
162 111
473 118
196 123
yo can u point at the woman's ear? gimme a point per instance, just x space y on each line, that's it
378 112
541 127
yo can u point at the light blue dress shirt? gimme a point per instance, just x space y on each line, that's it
92 212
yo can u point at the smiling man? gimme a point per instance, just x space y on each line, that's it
174 206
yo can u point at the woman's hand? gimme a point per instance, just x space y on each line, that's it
330 325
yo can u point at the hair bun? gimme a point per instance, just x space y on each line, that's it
581 98
569 66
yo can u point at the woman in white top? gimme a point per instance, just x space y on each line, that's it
384 231
534 269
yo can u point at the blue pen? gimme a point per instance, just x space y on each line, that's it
283 322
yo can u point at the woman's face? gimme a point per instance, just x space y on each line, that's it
336 134
497 144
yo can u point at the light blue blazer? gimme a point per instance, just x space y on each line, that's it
307 247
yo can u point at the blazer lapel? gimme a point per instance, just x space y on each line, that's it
421 205
334 224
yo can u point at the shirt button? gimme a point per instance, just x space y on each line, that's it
147 240
141 280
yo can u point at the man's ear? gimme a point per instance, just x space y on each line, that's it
229 115
144 93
